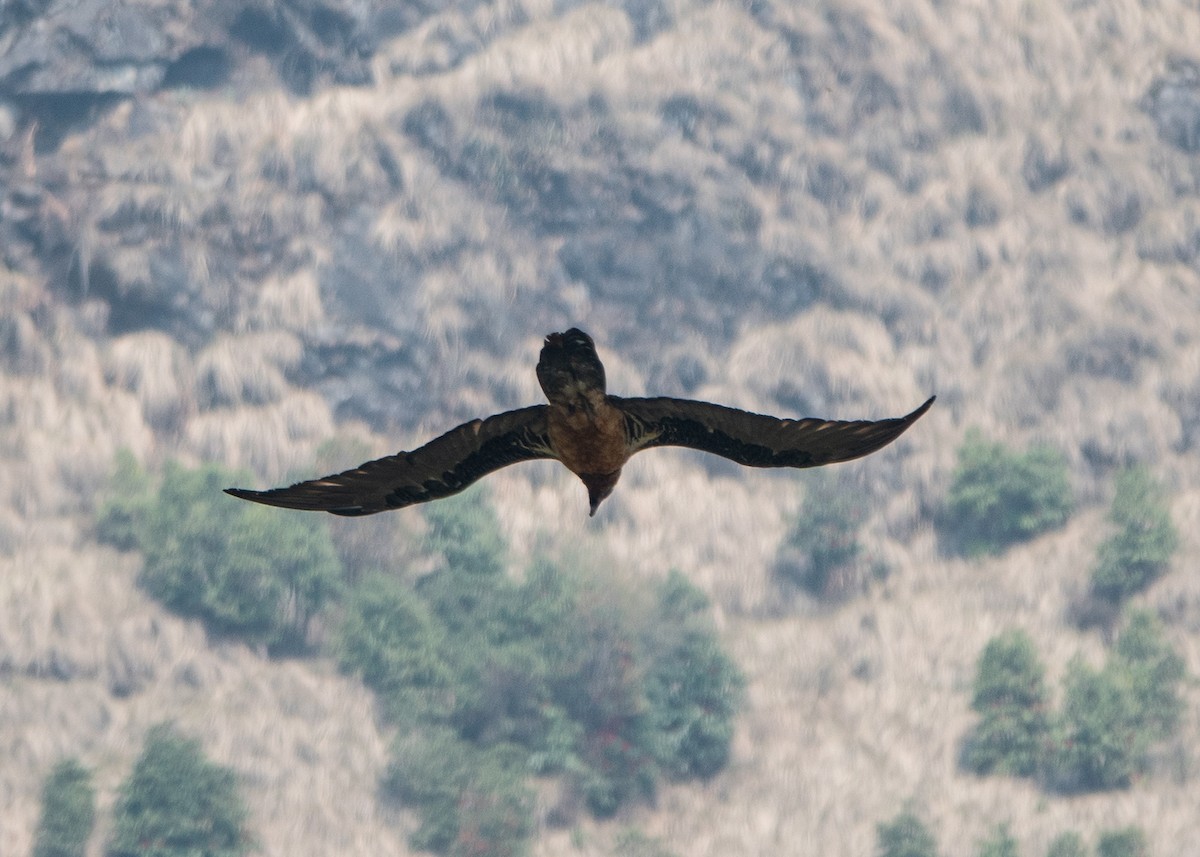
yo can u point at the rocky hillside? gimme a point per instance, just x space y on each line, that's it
232 232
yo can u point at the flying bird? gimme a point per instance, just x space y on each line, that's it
591 432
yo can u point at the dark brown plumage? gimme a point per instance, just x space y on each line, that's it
592 433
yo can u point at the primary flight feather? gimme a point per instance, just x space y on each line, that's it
592 433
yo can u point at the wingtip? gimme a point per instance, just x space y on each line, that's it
920 412
248 494
280 500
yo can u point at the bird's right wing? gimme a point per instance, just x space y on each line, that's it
756 440
444 466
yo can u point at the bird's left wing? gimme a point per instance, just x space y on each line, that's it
756 440
444 466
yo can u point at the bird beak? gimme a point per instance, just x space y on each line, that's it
598 488
595 498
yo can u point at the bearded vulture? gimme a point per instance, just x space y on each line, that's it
592 433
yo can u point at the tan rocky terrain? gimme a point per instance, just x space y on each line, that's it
233 233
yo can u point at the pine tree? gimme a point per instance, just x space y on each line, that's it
1000 844
906 836
1128 842
1010 694
1153 671
178 804
821 552
1068 844
1145 539
1112 716
245 570
68 812
999 497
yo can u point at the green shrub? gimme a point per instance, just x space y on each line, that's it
391 639
906 836
563 661
128 500
1009 674
1129 842
600 684
558 674
1143 544
469 588
635 843
245 570
692 687
1068 844
178 804
497 636
999 497
292 562
1112 716
1097 744
1010 695
1000 844
820 553
68 812
472 800
1153 670
427 771
464 529
495 810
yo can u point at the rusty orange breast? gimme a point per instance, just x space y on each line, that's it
588 440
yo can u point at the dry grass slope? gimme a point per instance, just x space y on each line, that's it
969 200
95 664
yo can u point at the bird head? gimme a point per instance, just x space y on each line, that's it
599 486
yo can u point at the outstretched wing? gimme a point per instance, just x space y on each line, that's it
756 440
442 467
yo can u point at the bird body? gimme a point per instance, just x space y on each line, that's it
591 432
592 444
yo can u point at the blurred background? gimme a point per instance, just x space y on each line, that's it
245 243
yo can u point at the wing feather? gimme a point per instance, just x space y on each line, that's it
757 440
444 466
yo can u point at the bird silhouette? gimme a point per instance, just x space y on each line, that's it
591 432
